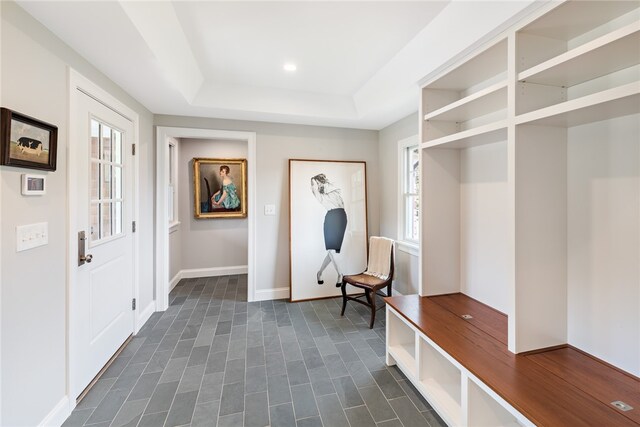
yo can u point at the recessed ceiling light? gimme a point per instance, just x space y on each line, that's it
290 66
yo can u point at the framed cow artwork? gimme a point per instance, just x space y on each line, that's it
27 142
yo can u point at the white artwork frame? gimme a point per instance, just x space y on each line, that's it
320 238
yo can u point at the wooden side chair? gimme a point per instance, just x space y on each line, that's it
371 285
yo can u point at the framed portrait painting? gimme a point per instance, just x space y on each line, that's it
220 188
27 142
328 225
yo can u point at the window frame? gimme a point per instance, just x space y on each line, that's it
407 245
173 184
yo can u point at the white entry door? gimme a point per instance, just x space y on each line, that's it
103 291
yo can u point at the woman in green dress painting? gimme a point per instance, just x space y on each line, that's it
227 196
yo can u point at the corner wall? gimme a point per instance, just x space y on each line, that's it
407 264
34 283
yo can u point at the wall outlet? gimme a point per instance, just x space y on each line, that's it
269 209
31 236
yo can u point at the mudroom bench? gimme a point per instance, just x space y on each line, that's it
454 350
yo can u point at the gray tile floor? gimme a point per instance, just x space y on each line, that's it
214 359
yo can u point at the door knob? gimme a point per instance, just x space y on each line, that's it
86 258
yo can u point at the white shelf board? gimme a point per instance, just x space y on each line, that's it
481 135
480 68
488 100
575 18
615 51
404 356
616 102
447 407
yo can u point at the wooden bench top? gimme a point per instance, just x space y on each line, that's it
549 388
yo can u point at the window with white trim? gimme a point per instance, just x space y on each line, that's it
172 192
409 200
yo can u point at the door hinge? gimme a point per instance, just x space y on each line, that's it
133 149
133 226
133 304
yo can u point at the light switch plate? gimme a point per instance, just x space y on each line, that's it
31 236
269 209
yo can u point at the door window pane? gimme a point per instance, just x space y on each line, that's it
95 139
117 182
106 142
117 146
105 220
107 174
95 181
106 182
94 222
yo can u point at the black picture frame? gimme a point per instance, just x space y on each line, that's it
27 142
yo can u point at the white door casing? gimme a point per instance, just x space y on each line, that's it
162 222
101 292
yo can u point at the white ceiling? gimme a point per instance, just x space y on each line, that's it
358 62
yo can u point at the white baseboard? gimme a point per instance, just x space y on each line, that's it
206 272
175 280
58 415
269 294
144 315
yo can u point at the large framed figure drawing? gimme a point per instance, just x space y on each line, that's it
328 225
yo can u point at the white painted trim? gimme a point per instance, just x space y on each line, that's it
408 247
213 271
402 173
206 272
58 414
144 315
269 294
162 284
176 279
79 82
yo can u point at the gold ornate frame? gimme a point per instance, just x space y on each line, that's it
206 169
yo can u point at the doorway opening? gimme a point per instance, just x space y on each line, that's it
168 218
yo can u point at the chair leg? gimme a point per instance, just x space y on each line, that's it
373 310
389 290
343 288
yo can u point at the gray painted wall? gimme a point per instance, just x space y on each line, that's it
33 283
209 243
407 265
34 300
276 144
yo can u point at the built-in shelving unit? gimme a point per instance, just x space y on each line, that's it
441 379
530 194
402 344
466 373
468 100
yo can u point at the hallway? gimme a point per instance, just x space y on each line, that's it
214 359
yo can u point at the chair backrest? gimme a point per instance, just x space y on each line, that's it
377 262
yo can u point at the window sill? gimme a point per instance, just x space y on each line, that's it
408 247
174 226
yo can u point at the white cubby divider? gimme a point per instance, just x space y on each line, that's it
487 409
402 343
441 378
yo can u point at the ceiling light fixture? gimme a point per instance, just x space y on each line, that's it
290 66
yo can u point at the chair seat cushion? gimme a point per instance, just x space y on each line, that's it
365 281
